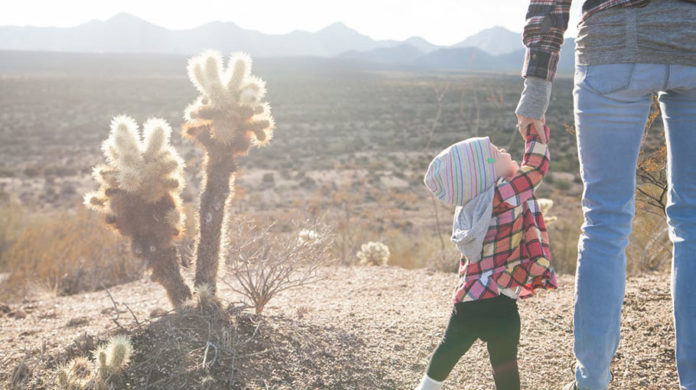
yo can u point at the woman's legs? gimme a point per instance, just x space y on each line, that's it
678 104
611 103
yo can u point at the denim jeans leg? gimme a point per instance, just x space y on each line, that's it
678 104
609 127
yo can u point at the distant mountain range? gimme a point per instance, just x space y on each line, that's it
495 48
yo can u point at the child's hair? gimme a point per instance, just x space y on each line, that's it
462 171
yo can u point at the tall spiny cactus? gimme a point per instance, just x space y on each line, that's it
226 120
139 191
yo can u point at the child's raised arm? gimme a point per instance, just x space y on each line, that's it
520 187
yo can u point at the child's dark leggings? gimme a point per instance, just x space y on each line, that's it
495 321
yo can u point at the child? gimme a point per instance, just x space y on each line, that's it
500 231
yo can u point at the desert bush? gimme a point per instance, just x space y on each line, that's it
562 184
262 262
67 253
373 253
445 260
650 248
410 251
564 233
12 220
268 179
226 120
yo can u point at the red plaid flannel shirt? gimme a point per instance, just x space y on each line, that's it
547 21
515 256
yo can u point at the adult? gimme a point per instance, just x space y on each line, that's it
626 50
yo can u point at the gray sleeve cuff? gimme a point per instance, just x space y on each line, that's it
535 98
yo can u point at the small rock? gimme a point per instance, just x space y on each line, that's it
158 312
77 321
48 314
18 314
4 308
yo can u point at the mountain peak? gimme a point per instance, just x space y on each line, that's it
337 27
494 40
124 17
496 29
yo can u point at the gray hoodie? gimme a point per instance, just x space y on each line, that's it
471 224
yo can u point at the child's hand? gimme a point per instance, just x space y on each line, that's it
532 133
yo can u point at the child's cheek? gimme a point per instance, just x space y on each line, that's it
514 167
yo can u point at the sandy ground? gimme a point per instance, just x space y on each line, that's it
361 327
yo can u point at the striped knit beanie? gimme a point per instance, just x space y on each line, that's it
462 171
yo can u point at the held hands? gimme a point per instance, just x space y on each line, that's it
535 125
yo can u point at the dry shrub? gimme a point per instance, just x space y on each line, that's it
445 260
564 233
67 253
412 251
12 219
650 248
262 261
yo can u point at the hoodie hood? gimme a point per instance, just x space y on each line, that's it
471 224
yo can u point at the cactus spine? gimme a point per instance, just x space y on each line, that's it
139 191
225 120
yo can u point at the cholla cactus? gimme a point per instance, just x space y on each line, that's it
230 108
226 120
306 236
75 375
545 205
373 253
139 191
109 359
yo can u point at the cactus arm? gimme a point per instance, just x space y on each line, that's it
219 174
165 271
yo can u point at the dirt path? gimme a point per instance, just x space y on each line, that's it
363 327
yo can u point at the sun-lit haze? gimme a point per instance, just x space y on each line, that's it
443 22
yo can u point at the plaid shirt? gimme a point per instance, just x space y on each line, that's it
547 21
515 256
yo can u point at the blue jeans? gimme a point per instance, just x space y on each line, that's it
612 103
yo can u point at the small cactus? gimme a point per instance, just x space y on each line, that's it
118 353
75 375
545 205
109 359
307 236
373 253
139 192
226 119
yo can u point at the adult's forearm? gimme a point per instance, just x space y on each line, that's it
535 98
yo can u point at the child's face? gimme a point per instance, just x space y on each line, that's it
505 166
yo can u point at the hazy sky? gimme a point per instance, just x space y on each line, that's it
442 22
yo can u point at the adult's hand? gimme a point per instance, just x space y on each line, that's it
537 126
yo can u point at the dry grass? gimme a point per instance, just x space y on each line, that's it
66 253
12 220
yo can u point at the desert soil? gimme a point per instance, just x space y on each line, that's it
360 328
